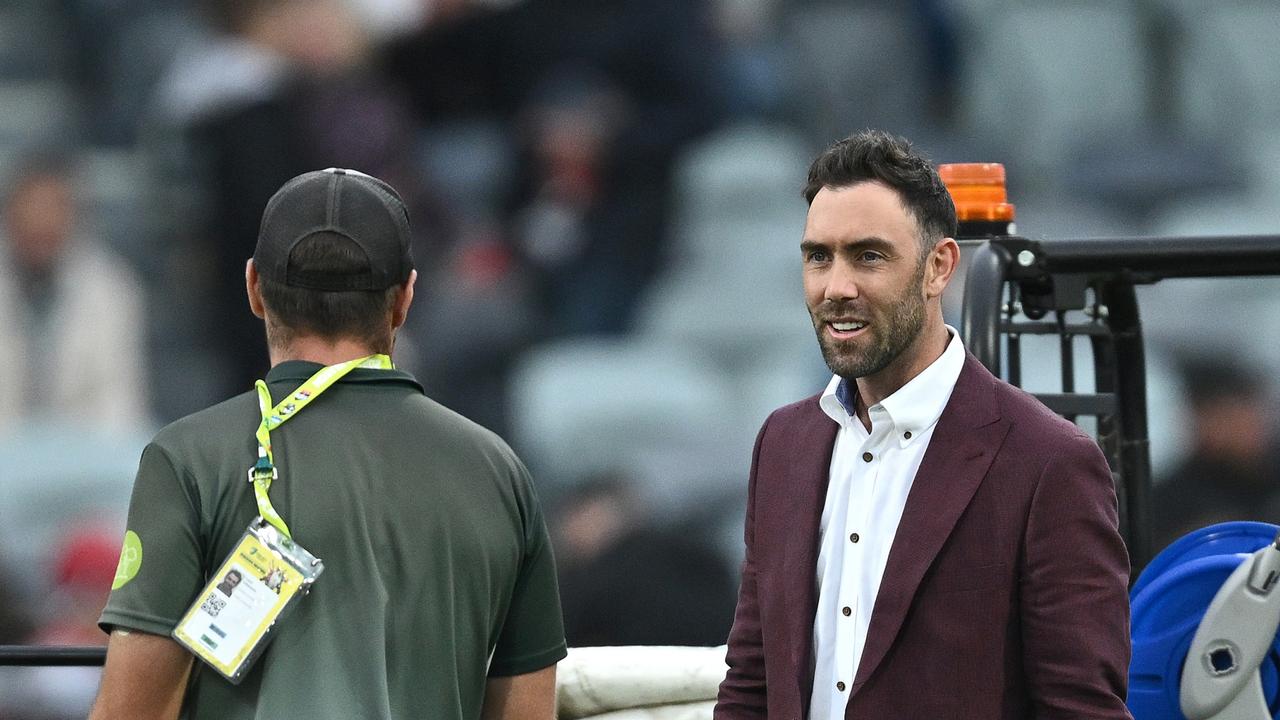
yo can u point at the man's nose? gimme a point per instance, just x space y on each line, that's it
842 282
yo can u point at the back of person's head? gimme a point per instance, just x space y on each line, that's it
333 252
877 156
362 315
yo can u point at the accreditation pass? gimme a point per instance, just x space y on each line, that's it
231 620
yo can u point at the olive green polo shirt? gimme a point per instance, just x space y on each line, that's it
438 569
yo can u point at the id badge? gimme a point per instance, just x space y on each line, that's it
232 619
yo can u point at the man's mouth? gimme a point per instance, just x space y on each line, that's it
844 329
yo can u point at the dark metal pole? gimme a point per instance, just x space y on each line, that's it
51 655
1154 258
1131 386
983 291
1067 347
1104 373
1013 338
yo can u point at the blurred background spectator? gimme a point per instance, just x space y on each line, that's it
71 316
1232 469
606 201
629 578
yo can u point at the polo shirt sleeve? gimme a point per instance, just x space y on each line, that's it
160 570
532 636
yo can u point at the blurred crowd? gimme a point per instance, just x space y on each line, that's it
605 196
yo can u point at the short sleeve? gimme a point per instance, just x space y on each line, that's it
160 569
532 636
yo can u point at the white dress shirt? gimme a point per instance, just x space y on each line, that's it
871 475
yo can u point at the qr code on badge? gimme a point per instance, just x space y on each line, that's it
213 605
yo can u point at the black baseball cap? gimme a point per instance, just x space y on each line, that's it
351 204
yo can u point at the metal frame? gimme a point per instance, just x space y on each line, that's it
51 656
1014 283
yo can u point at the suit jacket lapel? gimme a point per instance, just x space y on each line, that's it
814 438
960 452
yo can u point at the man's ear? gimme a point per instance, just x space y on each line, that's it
940 266
404 298
254 290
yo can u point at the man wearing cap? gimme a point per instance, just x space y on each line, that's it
437 597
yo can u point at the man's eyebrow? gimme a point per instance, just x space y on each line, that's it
867 243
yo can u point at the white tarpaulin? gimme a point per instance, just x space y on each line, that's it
639 683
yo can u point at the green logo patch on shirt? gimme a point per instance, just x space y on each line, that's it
130 560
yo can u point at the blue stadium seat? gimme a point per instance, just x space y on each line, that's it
32 45
1043 80
660 413
56 475
1228 69
858 65
36 112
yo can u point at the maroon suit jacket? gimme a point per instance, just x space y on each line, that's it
1005 593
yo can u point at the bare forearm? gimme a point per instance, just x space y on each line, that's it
521 697
145 678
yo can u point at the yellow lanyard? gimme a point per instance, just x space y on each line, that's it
264 471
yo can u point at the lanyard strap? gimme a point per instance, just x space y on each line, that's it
273 416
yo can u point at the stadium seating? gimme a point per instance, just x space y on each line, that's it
1044 79
661 413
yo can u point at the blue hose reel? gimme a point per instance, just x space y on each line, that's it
1169 601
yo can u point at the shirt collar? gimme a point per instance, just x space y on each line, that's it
914 407
298 371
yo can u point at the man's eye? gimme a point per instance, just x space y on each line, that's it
816 256
871 256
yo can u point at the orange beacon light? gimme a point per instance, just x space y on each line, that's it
982 206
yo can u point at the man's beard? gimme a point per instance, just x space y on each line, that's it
891 335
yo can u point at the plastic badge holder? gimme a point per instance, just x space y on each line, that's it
1168 602
235 616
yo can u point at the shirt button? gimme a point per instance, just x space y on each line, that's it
854 537
907 434
847 611
867 456
840 686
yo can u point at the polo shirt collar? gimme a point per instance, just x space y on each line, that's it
298 371
914 407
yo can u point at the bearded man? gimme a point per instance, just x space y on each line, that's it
923 540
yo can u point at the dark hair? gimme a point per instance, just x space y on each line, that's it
232 16
362 315
36 165
1214 378
875 155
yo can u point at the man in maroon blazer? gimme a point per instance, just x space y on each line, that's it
922 539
